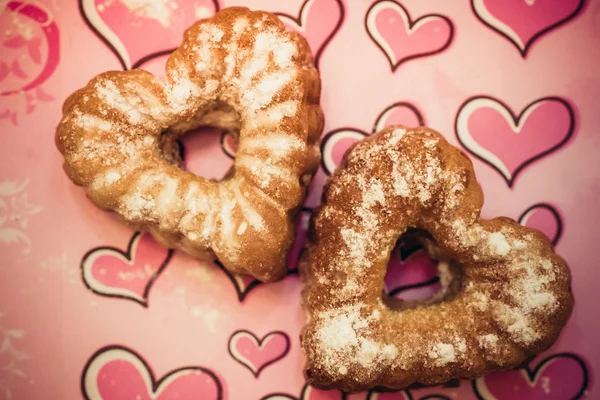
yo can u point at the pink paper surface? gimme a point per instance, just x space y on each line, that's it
90 309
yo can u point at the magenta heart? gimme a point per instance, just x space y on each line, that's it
34 59
412 279
256 354
401 113
488 129
545 219
400 38
318 22
118 373
335 144
108 271
558 377
126 25
524 21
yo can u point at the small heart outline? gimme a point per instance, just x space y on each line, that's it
559 222
411 23
259 343
91 255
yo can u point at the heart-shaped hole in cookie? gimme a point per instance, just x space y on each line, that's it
418 273
197 146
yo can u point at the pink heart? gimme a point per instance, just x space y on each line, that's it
401 113
108 271
118 373
126 25
308 393
412 279
561 376
318 22
335 144
402 395
257 354
400 38
545 219
37 56
487 128
524 21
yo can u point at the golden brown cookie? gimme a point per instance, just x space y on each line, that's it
239 70
505 296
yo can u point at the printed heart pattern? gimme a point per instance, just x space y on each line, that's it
414 278
401 113
545 219
401 395
402 39
337 142
27 59
522 22
125 26
110 272
257 354
308 393
492 132
118 373
558 377
244 284
318 22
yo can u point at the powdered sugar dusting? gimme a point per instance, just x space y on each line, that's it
442 354
345 334
510 281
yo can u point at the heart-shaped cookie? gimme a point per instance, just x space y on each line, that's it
505 294
118 138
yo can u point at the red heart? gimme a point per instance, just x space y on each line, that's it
487 128
561 376
524 21
111 272
400 38
256 354
118 373
318 22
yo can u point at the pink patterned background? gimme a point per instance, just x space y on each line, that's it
90 309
